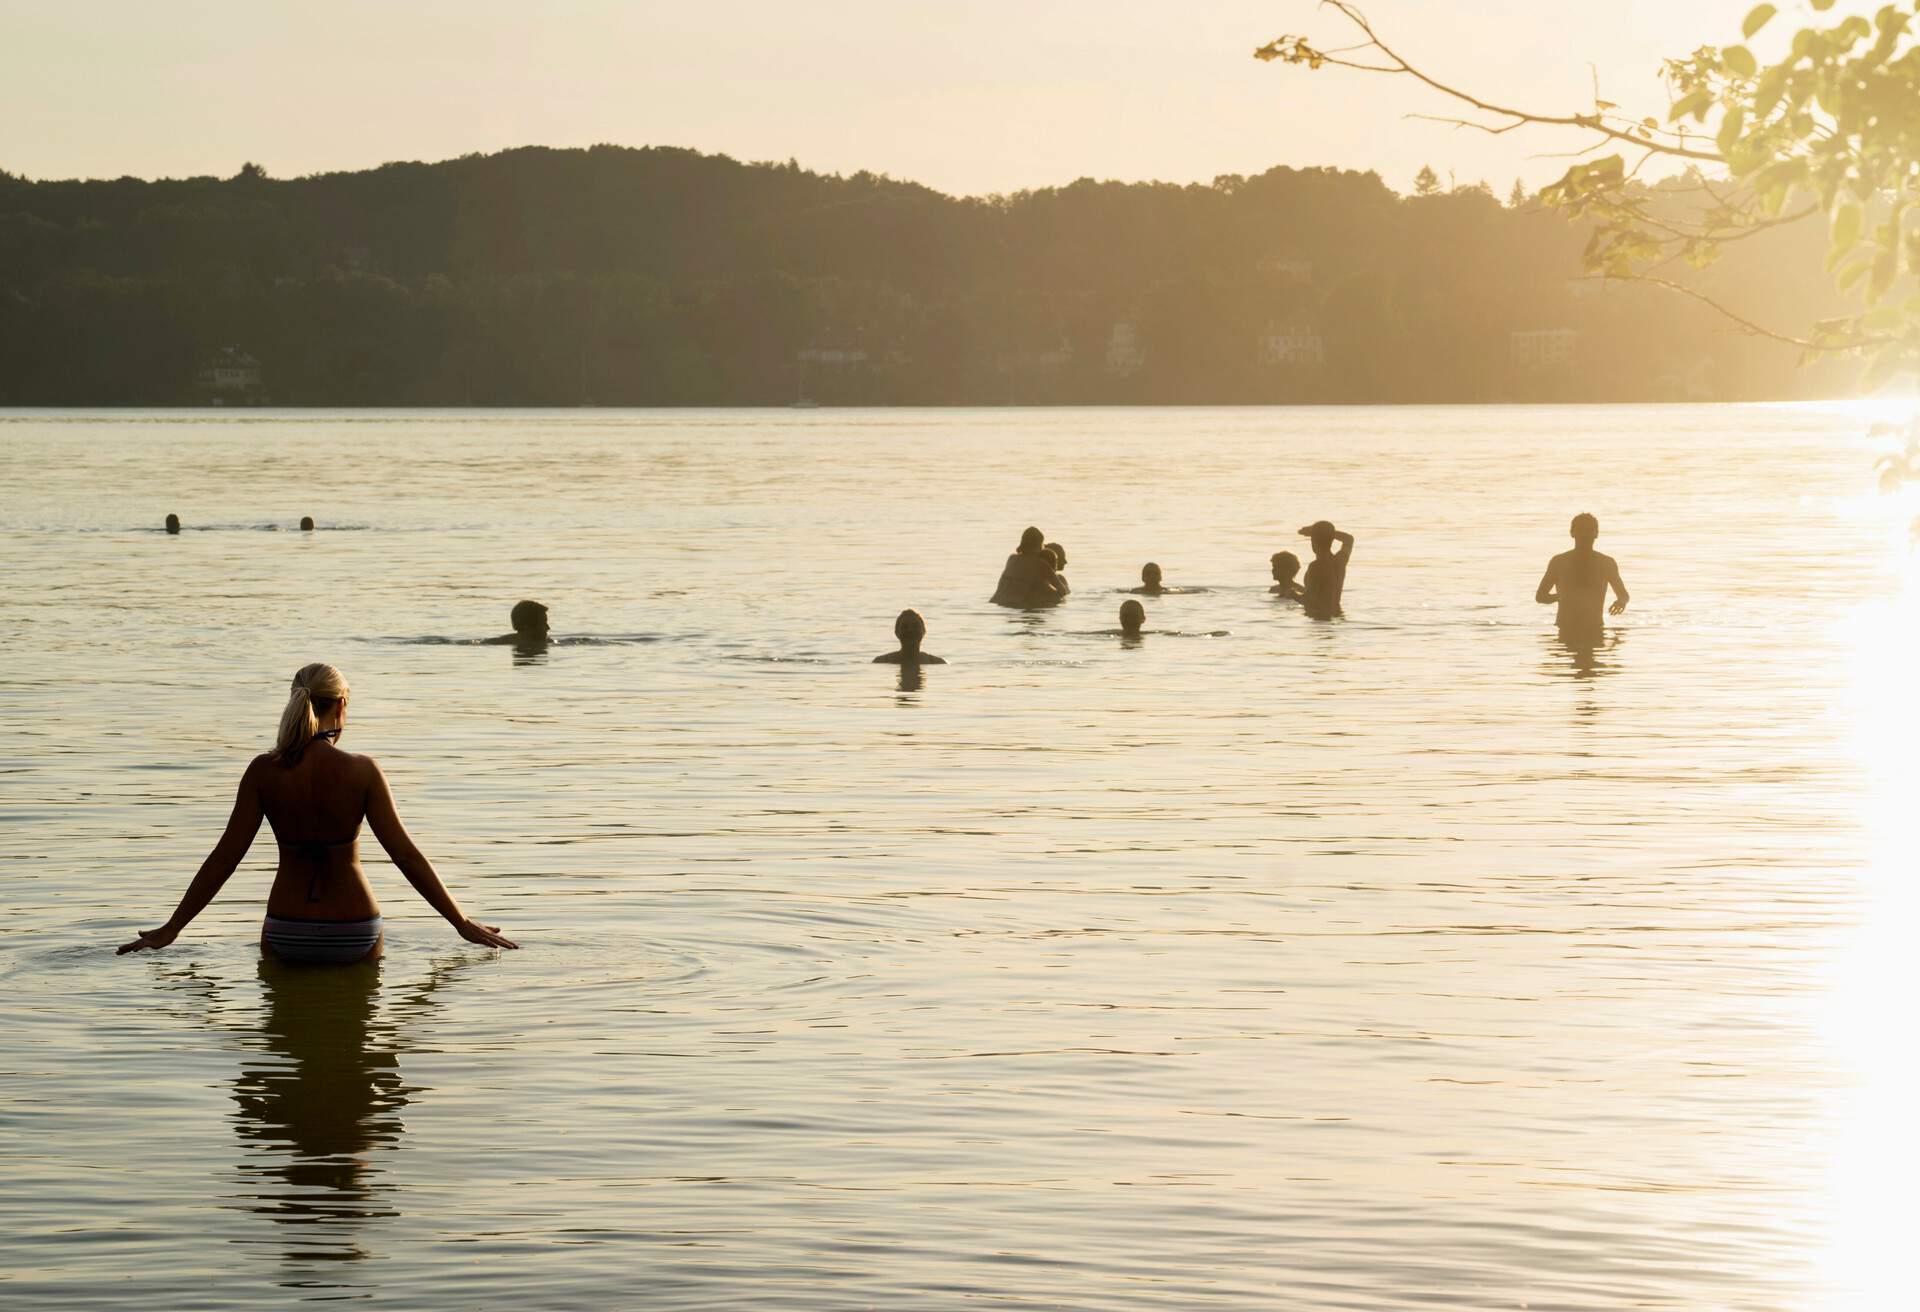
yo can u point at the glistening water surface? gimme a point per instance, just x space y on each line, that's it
1403 961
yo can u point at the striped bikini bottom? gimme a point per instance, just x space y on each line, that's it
322 942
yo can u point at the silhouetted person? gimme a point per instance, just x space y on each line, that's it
1150 580
1030 578
911 629
1059 555
1132 616
529 620
1578 581
1285 566
1327 573
320 909
173 523
306 523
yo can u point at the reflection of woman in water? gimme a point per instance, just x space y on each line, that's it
321 908
326 1094
320 1095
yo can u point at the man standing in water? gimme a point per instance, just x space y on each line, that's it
1327 571
1578 580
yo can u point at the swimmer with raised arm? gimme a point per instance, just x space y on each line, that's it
1577 581
911 629
1285 566
1030 578
1327 573
321 908
529 620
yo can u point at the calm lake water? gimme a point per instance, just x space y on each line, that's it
1404 961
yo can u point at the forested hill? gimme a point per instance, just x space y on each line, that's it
667 277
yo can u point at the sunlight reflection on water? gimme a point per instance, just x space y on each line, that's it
1405 961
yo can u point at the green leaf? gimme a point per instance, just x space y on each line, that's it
1730 126
1739 61
1846 227
1821 6
1694 103
1757 18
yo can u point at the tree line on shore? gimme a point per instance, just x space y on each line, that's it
661 276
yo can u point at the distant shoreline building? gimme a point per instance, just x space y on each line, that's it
1293 345
1126 352
230 376
1543 348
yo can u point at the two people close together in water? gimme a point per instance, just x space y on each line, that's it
321 909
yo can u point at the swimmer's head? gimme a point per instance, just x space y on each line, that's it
173 523
1059 554
910 628
1150 574
1320 534
306 523
1132 616
318 691
530 619
1585 528
1032 540
1285 565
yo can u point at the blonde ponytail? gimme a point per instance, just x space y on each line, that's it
317 688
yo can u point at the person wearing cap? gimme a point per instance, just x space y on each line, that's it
1327 572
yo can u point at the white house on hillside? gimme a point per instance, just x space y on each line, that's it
1295 344
1543 348
1126 352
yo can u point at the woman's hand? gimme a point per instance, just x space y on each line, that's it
152 938
475 932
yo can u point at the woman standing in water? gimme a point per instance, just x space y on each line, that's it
314 795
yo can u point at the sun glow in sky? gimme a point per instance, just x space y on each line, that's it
983 96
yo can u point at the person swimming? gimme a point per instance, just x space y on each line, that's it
1285 566
1059 554
529 620
1577 581
1030 578
1150 581
1327 574
1132 617
911 629
306 523
321 908
173 523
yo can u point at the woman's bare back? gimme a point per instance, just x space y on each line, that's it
315 807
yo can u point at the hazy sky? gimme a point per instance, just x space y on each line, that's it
969 96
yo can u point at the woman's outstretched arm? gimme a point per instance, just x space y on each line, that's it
219 866
385 822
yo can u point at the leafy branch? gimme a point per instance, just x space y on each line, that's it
1831 128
